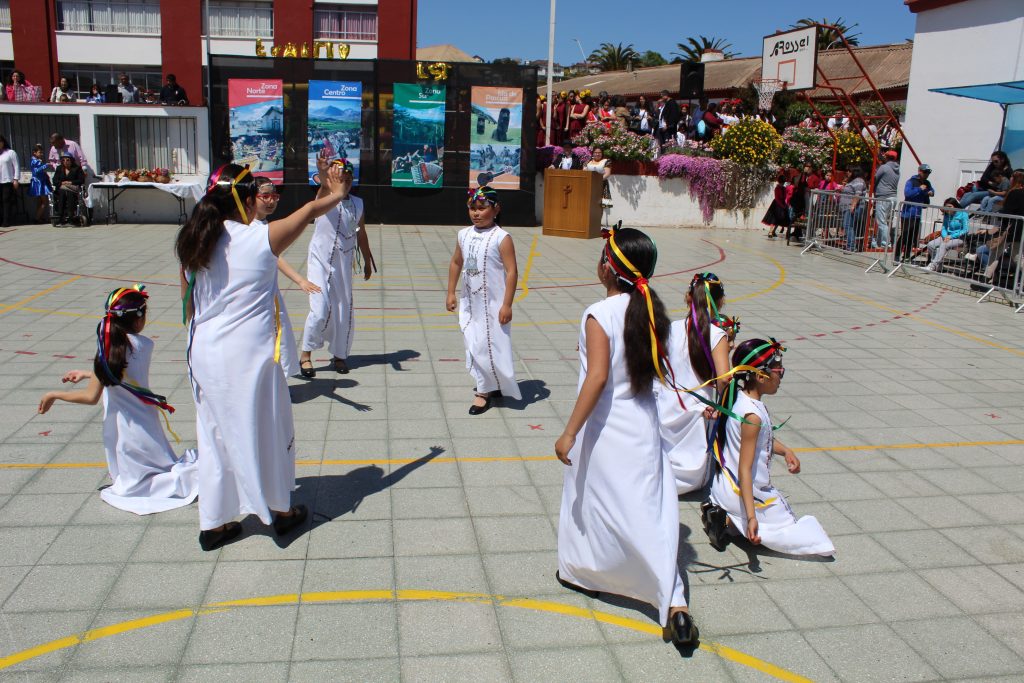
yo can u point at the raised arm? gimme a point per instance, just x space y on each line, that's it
285 231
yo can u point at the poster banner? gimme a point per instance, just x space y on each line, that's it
335 123
257 126
496 134
417 151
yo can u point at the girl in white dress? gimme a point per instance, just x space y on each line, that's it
743 499
698 352
243 412
618 530
486 258
147 475
266 203
332 254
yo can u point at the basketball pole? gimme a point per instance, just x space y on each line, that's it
551 74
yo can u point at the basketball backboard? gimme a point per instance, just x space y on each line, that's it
791 57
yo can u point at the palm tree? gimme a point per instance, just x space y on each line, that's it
693 48
828 38
610 57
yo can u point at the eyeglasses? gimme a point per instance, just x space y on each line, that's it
268 195
781 371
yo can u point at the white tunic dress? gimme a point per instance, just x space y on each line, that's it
243 411
618 530
777 526
148 476
684 432
488 344
332 253
289 352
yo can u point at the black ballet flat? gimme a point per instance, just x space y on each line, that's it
340 366
714 520
211 540
308 373
285 523
573 587
479 410
682 629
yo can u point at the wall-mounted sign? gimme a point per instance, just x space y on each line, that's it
322 49
417 135
335 123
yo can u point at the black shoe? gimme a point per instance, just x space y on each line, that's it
340 366
211 540
682 629
573 587
308 373
714 520
479 410
285 523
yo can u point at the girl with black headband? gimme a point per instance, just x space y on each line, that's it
243 411
485 257
618 531
147 475
698 353
743 499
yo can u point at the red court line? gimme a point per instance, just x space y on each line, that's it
935 300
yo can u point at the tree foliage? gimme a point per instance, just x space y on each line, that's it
610 57
828 38
651 58
691 49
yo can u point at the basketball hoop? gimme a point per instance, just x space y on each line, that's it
766 89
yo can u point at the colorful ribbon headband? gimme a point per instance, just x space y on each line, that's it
707 279
634 277
483 194
103 347
345 165
215 181
731 326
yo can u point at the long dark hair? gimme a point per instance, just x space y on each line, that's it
198 237
642 253
113 334
768 358
699 336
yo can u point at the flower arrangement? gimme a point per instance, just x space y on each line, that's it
143 175
805 146
705 175
545 155
851 149
618 144
750 142
583 154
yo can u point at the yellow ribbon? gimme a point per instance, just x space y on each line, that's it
641 284
234 193
277 321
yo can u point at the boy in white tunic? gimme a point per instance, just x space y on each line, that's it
332 253
147 476
486 258
743 499
618 530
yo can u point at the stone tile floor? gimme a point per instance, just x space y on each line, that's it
431 553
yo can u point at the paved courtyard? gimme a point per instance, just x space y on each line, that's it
431 551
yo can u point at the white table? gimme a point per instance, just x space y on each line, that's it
180 191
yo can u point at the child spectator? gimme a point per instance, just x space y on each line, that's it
955 225
41 188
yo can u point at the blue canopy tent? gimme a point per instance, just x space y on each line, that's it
1010 96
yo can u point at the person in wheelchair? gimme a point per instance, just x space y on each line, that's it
68 182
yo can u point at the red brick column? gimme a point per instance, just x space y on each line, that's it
33 33
181 45
396 29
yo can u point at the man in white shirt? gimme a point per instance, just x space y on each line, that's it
9 172
129 93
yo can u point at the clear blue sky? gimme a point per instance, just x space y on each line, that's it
519 28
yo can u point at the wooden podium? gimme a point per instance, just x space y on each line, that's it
572 203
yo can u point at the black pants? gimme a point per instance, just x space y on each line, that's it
910 229
64 204
8 197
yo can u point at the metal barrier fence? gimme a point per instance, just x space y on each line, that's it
907 238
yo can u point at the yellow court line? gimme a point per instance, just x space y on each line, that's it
775 285
19 304
920 319
526 271
406 595
534 458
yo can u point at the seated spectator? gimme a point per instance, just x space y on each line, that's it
129 93
955 226
63 92
19 89
1000 185
981 189
95 95
60 147
1006 233
67 184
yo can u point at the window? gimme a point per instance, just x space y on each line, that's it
147 142
109 16
82 76
25 130
344 23
5 13
241 19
